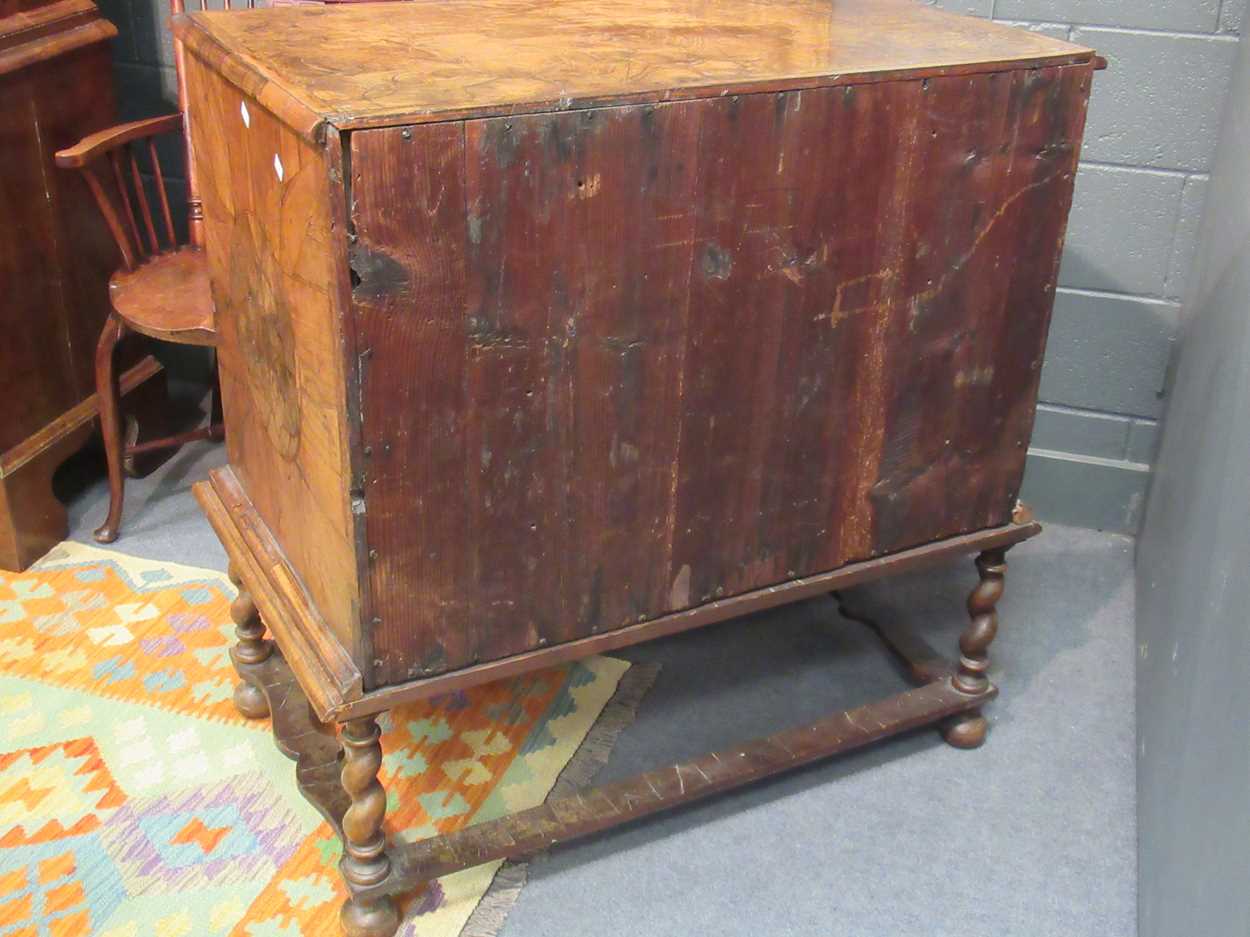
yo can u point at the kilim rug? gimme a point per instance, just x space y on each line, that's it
135 801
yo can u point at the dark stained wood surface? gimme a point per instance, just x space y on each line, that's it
375 65
621 364
55 252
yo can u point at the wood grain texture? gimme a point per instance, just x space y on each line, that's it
424 61
168 297
271 246
322 664
622 365
34 31
408 300
55 252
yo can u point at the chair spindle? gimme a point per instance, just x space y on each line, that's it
160 191
109 210
120 179
141 196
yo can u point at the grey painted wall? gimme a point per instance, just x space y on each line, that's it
1139 198
1153 123
1193 591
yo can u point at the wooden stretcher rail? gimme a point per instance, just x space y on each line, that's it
601 808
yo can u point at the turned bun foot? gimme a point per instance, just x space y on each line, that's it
106 533
966 731
250 702
377 918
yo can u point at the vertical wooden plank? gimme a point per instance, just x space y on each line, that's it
408 297
517 439
630 188
988 216
584 336
855 150
736 310
73 102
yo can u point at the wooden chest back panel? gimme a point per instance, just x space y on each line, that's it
271 243
627 360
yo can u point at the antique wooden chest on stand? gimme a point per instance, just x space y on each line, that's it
550 328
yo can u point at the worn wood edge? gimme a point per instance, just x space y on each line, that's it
253 81
309 116
347 122
720 610
601 808
324 669
264 546
354 361
55 41
26 25
95 144
78 417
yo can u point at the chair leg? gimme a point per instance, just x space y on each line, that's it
108 400
215 419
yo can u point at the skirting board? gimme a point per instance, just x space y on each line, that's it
1085 491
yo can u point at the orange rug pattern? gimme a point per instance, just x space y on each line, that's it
134 800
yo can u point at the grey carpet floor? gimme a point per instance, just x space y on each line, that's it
1033 834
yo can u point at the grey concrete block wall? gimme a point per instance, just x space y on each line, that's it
1154 118
1139 197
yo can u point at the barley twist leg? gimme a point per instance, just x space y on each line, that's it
365 861
969 729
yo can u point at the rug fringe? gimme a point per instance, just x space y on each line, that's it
488 917
597 747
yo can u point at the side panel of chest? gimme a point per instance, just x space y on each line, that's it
630 360
274 248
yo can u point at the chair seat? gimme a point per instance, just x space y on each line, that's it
167 297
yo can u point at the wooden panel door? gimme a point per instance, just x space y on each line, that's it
625 361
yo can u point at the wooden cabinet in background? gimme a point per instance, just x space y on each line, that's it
56 255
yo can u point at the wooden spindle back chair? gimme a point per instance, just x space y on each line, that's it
162 288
